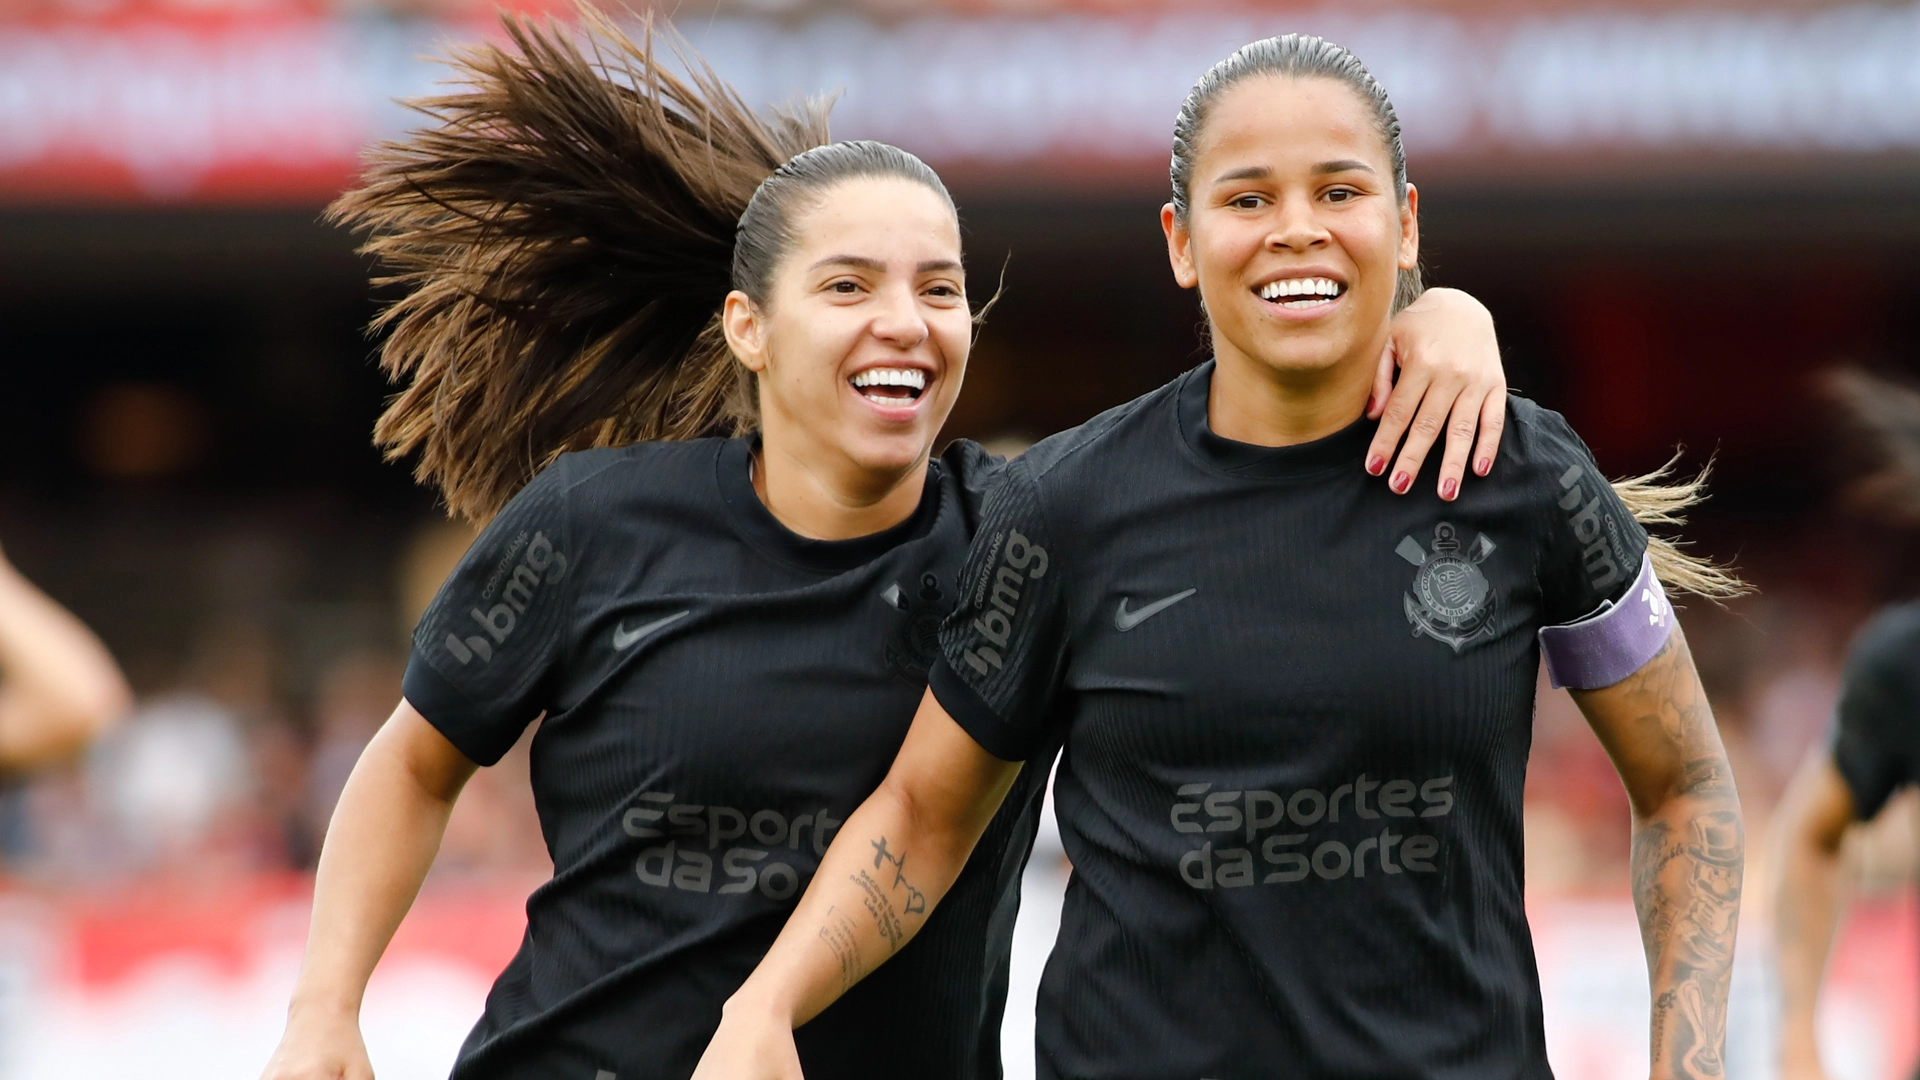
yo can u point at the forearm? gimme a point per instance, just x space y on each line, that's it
58 685
1806 909
1688 862
885 871
382 840
1808 889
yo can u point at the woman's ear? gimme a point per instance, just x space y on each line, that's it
1410 230
746 329
1179 248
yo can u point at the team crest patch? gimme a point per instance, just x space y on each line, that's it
1451 599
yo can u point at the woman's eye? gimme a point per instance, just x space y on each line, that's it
1339 195
1247 202
943 290
844 288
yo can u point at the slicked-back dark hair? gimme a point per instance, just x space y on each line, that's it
1300 56
565 236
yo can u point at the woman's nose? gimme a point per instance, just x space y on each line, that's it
899 322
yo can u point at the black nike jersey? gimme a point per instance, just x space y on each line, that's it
719 694
1876 742
1297 710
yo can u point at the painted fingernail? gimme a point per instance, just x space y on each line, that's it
1375 464
1448 487
1401 481
1480 467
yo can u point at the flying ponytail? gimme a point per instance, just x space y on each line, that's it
564 238
1884 415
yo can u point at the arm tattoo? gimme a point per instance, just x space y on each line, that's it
838 936
889 899
1688 860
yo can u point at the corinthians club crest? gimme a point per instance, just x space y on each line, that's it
1451 600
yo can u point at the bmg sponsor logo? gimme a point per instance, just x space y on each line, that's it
1597 530
1024 560
539 564
687 827
1285 855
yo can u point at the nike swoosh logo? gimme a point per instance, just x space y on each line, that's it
1124 620
624 638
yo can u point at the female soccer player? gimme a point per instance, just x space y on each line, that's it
726 636
1295 709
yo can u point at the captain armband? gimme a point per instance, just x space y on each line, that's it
1613 642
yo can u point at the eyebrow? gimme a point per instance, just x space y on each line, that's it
861 262
1261 172
858 262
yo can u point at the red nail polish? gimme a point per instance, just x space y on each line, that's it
1449 487
1401 481
1480 467
1375 464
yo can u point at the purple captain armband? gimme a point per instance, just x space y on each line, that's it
1613 642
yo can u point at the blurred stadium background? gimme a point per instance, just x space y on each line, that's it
1679 212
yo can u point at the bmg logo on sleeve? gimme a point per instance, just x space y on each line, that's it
1287 854
1024 560
516 583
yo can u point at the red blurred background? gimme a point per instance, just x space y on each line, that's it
1679 216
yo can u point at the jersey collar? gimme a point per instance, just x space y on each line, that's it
1344 449
757 525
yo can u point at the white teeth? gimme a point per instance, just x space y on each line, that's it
1317 288
908 377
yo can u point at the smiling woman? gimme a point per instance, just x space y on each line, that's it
689 364
1315 861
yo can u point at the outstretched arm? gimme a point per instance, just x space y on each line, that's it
1450 382
58 686
1689 850
887 868
380 843
1807 890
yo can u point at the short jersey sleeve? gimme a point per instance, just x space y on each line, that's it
1875 730
484 651
1593 547
1003 648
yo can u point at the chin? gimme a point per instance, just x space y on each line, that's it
890 453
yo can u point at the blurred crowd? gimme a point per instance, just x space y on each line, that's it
231 758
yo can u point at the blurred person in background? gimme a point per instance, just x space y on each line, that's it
1228 915
1875 747
59 687
602 255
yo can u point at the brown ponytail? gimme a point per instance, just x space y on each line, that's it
564 236
1884 416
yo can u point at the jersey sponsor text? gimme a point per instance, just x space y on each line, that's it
1286 857
680 864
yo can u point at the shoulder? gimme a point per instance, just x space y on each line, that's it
1888 646
1539 443
638 466
1079 448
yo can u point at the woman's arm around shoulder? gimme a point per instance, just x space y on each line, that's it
1450 381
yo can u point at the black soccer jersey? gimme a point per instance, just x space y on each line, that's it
1297 710
1876 742
719 694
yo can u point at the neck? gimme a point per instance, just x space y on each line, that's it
1257 403
827 497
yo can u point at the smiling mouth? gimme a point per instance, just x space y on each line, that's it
890 386
1300 292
